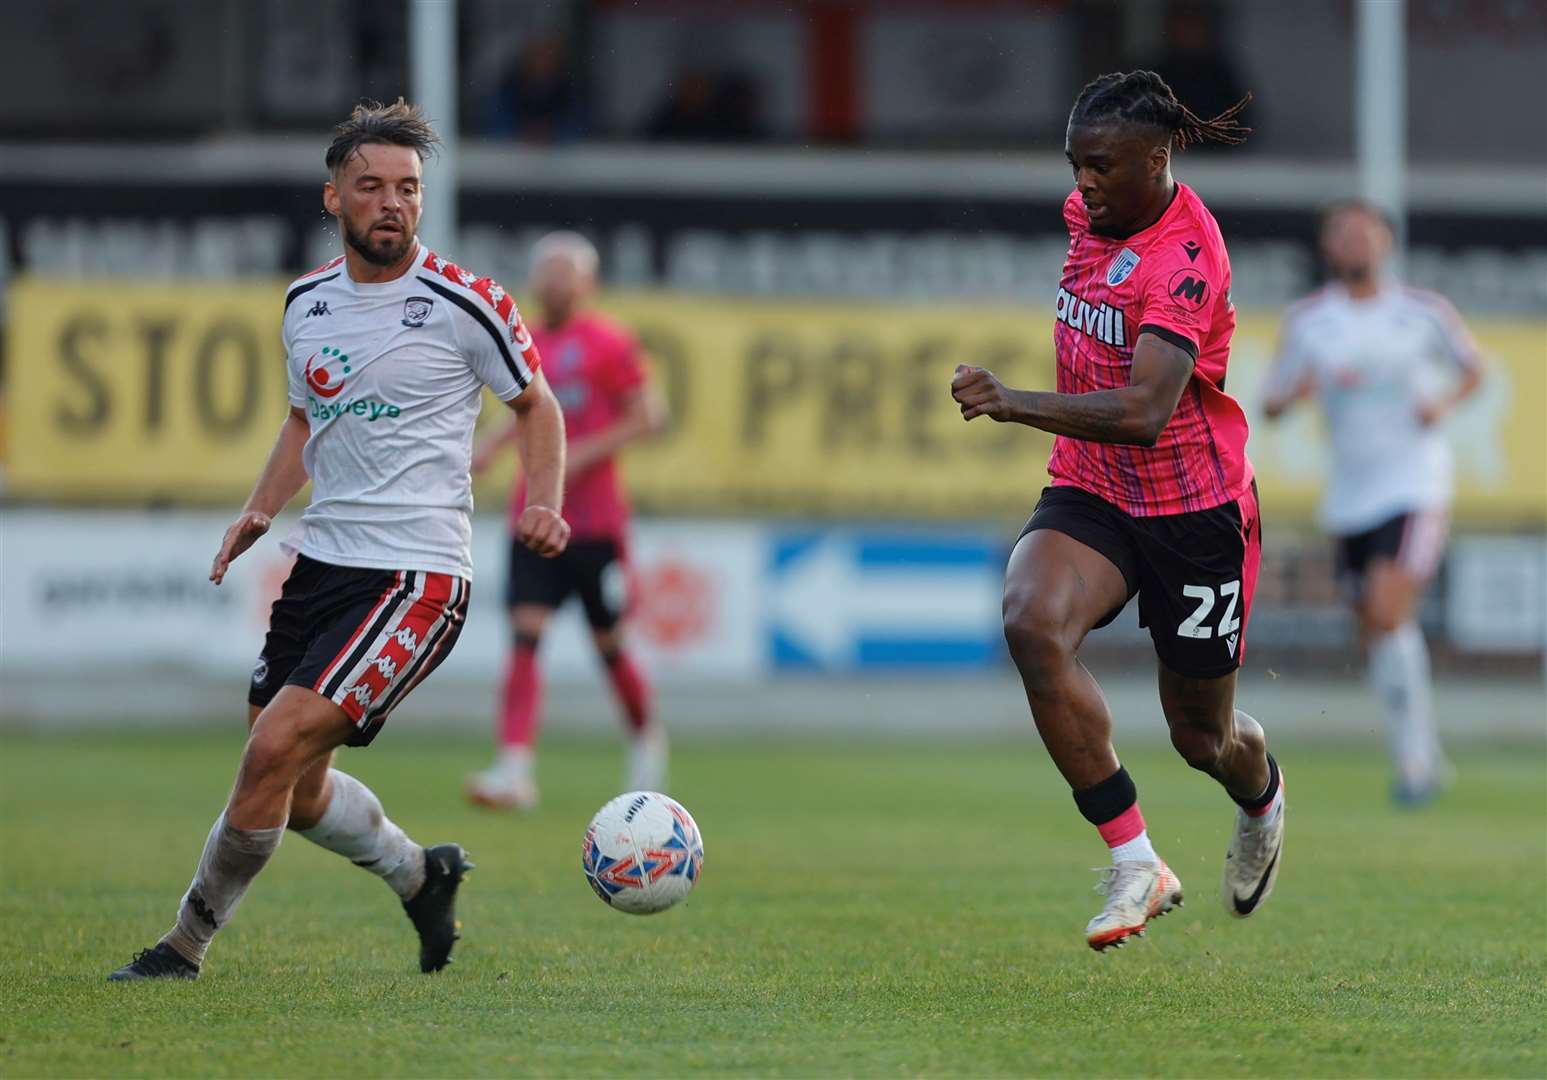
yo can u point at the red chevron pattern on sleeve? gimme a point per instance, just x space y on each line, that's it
493 294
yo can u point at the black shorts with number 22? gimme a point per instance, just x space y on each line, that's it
1194 574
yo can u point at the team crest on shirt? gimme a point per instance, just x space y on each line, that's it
416 309
1122 266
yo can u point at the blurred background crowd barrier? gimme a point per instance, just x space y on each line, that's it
810 212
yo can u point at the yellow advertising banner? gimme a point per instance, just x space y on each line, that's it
844 409
127 392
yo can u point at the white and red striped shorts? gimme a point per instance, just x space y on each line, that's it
361 638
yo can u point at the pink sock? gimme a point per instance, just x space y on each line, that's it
1123 828
522 699
628 682
1127 837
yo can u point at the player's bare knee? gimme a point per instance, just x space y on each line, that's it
1035 634
1203 748
270 758
1379 618
607 640
527 623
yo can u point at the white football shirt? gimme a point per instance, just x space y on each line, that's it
1372 363
390 376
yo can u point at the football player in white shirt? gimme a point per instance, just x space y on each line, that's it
1388 363
389 349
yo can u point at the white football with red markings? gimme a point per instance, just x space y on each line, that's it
642 852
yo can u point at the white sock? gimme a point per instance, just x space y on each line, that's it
1268 816
355 827
647 756
1139 849
232 858
1399 670
515 762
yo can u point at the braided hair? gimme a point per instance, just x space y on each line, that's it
1142 97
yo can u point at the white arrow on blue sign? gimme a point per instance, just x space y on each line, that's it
845 600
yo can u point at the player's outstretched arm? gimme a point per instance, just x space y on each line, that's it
1285 387
1279 401
645 413
1470 380
283 475
540 441
1290 378
1135 414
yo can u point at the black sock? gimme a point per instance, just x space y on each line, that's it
1260 803
1101 803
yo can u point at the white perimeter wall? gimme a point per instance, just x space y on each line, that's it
111 613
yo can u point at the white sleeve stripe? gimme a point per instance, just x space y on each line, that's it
1452 331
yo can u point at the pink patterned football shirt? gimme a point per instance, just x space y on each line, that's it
1173 280
594 366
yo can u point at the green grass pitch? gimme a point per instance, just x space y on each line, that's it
864 910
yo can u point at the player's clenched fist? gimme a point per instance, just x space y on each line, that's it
243 533
980 393
544 530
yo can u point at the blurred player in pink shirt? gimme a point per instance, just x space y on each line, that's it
599 374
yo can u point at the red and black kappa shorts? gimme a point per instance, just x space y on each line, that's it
361 638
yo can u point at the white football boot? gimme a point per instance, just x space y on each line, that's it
647 755
1251 864
1136 892
501 788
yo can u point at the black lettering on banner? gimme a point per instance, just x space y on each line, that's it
227 338
1006 358
927 374
157 336
775 370
86 410
851 413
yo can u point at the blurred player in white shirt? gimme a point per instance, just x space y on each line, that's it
1387 363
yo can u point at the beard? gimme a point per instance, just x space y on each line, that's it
1354 270
379 252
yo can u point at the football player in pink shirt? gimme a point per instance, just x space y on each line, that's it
599 375
1152 494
